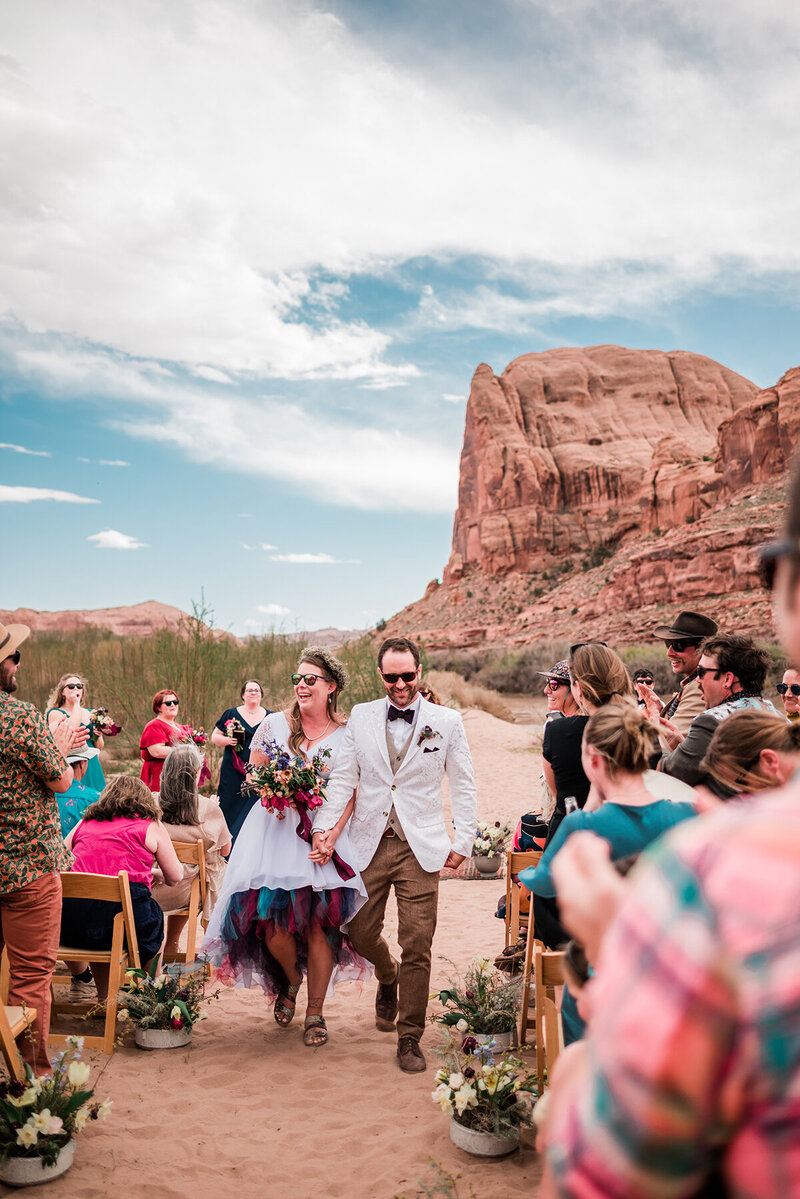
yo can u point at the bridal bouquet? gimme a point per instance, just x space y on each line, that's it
235 728
103 723
289 781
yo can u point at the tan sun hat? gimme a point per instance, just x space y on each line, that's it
11 638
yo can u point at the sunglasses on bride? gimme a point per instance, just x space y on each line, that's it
308 679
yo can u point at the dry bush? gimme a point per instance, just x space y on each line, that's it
456 692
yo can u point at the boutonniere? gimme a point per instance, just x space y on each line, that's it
428 734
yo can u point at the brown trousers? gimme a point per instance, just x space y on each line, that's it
30 927
417 894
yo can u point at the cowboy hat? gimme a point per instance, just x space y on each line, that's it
11 638
688 626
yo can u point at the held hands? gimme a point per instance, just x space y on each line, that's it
322 846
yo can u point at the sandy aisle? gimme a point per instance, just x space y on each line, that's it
250 1112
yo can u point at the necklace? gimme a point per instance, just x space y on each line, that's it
310 740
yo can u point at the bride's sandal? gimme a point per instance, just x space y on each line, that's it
285 1005
315 1031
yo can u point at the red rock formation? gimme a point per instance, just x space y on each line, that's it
682 502
572 449
137 620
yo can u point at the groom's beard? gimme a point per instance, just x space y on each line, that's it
402 694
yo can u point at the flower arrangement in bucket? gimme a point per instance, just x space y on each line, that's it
484 1004
41 1117
486 1095
490 842
163 1008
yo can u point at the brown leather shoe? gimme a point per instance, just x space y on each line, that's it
386 1005
409 1056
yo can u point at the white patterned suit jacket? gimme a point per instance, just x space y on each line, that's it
415 790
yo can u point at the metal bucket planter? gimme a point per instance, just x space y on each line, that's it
162 1038
29 1172
482 1144
488 866
502 1040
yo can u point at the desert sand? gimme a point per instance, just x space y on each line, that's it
249 1111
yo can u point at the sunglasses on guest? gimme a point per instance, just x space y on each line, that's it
702 671
580 645
782 688
15 657
407 676
645 680
73 686
769 557
170 703
309 679
681 646
554 684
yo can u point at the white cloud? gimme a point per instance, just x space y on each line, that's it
24 495
104 461
143 219
265 546
273 610
20 449
453 399
110 539
304 559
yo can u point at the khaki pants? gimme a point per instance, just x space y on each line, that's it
417 894
30 924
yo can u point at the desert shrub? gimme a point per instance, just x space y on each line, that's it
457 693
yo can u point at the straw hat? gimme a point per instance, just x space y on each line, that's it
11 638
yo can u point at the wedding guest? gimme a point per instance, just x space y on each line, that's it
282 911
122 831
396 752
160 735
789 691
427 692
235 803
732 673
67 702
189 816
751 751
642 678
683 639
560 702
687 1083
33 771
74 802
618 741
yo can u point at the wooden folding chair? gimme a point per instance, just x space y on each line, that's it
13 1022
115 890
191 853
548 973
518 900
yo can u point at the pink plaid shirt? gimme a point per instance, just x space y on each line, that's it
693 1055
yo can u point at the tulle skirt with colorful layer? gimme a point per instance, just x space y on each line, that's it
271 887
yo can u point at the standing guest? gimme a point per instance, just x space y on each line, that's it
32 852
427 692
560 702
732 674
688 1081
189 816
160 735
234 803
282 911
396 751
643 678
683 639
789 691
67 702
122 831
74 802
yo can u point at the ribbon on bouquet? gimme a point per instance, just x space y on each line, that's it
303 831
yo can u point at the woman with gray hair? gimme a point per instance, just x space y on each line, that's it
189 816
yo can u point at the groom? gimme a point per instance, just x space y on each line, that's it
396 752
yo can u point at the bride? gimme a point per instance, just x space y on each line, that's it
280 915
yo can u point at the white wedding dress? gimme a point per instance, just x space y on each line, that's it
271 885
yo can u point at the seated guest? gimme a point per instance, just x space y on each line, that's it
617 743
74 802
751 751
189 816
121 831
732 673
560 702
683 639
789 691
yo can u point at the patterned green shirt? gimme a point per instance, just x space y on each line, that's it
30 831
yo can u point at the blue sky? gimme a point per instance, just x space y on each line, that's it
253 252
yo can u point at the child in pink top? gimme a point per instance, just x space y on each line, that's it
121 831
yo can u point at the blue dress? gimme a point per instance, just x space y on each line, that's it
94 776
235 805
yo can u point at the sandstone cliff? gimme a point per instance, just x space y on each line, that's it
602 489
137 620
